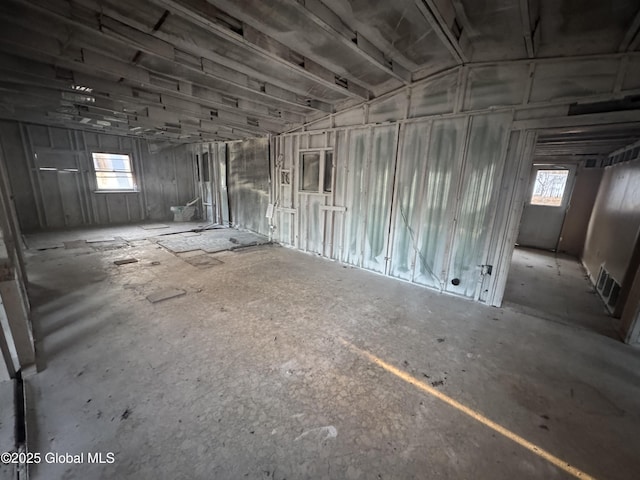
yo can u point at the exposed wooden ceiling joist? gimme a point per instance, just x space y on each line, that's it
128 36
41 48
447 35
199 43
203 13
190 68
331 23
161 107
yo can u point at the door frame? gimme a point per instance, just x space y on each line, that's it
505 234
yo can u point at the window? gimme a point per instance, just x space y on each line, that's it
549 187
310 172
113 172
316 171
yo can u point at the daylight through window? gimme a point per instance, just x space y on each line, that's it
549 187
113 172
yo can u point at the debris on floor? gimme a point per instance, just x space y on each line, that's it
211 241
154 226
100 240
166 295
125 261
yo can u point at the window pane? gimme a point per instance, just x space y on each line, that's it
328 170
310 175
113 171
549 187
114 181
111 162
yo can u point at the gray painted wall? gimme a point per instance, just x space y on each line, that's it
66 197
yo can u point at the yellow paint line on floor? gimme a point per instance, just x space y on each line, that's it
532 447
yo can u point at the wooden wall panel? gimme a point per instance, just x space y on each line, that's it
51 169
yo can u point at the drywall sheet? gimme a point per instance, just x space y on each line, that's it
615 221
576 222
248 176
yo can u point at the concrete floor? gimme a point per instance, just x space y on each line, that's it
555 286
250 374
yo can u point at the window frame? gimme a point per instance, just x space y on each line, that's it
322 170
134 189
555 168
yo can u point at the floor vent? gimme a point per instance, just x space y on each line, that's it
608 288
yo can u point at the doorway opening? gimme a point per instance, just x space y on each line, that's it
548 275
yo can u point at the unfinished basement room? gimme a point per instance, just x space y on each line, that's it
319 239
